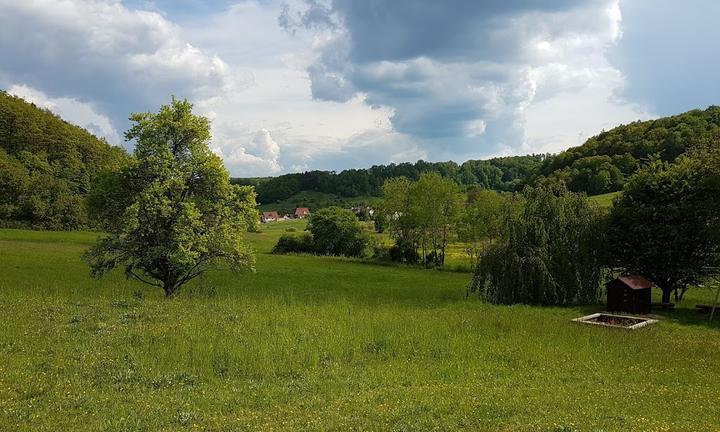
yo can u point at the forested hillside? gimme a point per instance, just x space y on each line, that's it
605 161
601 165
47 166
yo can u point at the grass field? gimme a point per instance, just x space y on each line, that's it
604 200
315 343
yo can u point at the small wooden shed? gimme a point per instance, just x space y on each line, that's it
631 294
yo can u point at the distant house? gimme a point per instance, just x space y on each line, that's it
266 217
302 212
363 212
629 294
363 209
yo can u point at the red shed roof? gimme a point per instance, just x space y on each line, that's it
636 282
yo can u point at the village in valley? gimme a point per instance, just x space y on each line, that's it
272 216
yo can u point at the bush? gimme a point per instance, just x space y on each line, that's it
405 252
337 231
293 243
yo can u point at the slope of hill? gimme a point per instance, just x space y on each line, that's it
46 166
315 200
603 162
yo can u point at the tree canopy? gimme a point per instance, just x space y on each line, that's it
47 166
337 231
666 223
604 162
171 213
421 214
548 251
506 173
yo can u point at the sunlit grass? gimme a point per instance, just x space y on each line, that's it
604 200
315 343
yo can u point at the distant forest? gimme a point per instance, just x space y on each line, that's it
505 174
601 165
47 166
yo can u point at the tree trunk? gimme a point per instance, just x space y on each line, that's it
424 255
170 287
666 294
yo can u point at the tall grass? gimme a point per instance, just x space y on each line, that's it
314 343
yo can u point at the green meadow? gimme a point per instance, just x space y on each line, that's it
321 343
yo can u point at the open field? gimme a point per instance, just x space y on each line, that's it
315 343
604 200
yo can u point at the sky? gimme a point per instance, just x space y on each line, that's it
295 85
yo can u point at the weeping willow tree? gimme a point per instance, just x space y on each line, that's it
548 251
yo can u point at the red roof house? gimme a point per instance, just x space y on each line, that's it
302 212
269 217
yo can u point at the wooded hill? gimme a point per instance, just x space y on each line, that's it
47 166
604 162
601 165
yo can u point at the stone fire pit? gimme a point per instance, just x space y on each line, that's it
612 320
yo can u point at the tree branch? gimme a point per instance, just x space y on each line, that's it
131 273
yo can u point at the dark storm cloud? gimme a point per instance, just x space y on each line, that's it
444 67
447 30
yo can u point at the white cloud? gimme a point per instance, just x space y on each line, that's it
312 86
254 154
122 59
482 84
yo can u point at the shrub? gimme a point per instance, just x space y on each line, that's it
294 243
337 231
405 252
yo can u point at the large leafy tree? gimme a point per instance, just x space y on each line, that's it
436 205
479 221
548 250
171 213
666 223
422 214
396 211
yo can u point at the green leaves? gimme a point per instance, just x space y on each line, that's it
665 224
337 231
422 213
172 213
47 166
547 252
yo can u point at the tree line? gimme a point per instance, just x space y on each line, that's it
546 244
170 213
602 164
47 166
504 174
